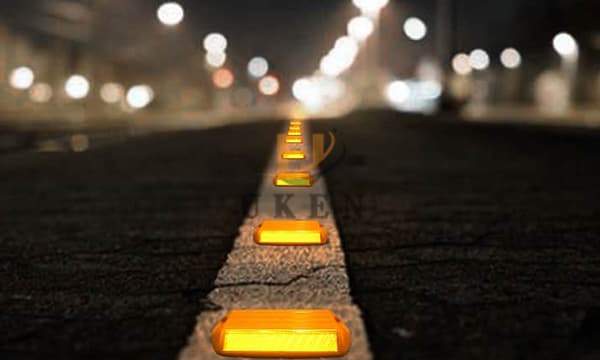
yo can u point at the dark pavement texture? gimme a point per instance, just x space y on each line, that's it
105 254
470 241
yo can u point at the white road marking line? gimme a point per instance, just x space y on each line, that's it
257 276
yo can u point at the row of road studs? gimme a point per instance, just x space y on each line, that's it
284 333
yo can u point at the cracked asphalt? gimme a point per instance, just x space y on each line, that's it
470 241
110 253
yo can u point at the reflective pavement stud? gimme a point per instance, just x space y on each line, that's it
288 333
293 180
294 133
293 140
293 155
290 232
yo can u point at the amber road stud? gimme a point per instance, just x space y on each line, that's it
286 333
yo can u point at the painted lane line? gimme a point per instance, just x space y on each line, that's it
282 277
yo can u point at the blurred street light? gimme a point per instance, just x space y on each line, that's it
139 96
346 47
330 66
22 78
258 67
565 45
215 43
510 58
40 93
215 59
461 64
397 92
415 29
340 58
479 59
269 85
370 6
360 28
301 88
223 78
112 93
77 87
170 13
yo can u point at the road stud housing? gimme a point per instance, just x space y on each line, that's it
290 232
281 333
293 140
293 155
293 180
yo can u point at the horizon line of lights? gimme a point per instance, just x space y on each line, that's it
78 87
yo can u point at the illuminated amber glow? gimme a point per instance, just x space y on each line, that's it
293 179
294 133
293 140
290 232
281 333
223 78
295 128
293 155
295 122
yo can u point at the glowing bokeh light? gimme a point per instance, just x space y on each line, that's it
360 28
215 59
330 66
170 13
397 92
301 88
269 85
565 45
22 78
340 58
139 96
346 47
479 59
429 90
370 6
215 43
40 93
112 93
258 67
415 29
510 58
223 78
461 64
77 87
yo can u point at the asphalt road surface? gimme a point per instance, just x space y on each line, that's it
462 241
470 241
105 254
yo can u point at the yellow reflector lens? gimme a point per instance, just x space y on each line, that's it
281 333
294 133
293 155
295 128
293 140
293 179
295 122
290 232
